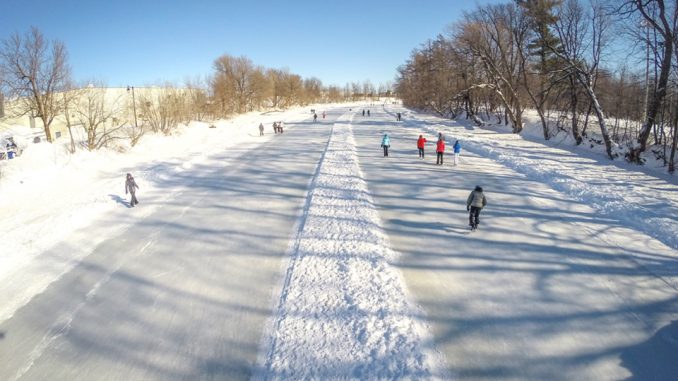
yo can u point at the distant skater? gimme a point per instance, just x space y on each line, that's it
368 112
275 127
385 143
474 204
420 146
261 129
398 118
131 188
323 114
440 150
457 151
363 112
315 117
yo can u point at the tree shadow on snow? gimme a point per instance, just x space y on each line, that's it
656 358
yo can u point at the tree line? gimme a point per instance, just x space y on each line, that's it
36 80
580 64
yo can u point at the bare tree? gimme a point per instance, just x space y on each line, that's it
98 115
313 90
574 28
495 34
663 20
239 77
35 71
162 108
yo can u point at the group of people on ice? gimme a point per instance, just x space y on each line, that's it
421 144
277 127
476 201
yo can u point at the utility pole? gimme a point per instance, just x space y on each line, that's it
134 106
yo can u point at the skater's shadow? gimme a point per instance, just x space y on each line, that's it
119 200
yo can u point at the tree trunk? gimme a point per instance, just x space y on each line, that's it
655 105
574 100
674 144
601 116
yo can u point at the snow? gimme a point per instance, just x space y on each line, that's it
589 238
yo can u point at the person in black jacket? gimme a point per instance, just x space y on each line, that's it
131 187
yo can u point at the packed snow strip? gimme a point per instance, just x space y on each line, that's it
343 311
643 202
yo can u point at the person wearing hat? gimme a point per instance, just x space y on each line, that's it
457 151
440 150
475 202
131 188
421 142
385 143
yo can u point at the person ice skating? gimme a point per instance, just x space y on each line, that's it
131 188
368 112
363 112
398 117
261 129
280 127
457 151
315 117
275 127
323 114
420 146
474 204
440 149
385 143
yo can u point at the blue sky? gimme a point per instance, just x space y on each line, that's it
141 42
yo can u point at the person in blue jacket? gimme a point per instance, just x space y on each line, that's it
385 143
457 151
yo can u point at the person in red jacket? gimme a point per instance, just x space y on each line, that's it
420 145
440 149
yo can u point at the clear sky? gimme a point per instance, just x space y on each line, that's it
139 42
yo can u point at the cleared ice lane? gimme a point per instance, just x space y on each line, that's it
546 289
184 293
